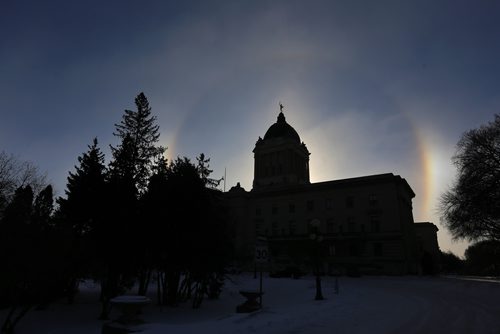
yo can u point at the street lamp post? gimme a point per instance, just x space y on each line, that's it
317 238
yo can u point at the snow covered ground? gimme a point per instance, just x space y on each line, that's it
363 305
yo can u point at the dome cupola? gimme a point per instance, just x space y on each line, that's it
281 129
281 159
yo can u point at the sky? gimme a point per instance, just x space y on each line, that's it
370 86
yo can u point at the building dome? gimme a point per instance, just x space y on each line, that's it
281 129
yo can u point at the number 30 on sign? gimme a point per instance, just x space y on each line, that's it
261 254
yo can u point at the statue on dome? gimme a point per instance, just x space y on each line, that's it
281 107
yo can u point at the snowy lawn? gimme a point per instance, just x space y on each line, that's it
363 305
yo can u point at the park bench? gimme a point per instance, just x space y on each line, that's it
251 304
129 321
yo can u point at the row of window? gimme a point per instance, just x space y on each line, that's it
351 249
272 164
332 226
310 205
358 249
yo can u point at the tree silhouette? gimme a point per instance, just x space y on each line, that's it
118 250
483 258
139 135
154 216
17 280
451 264
471 207
43 207
187 232
129 173
32 273
15 173
81 217
83 204
205 171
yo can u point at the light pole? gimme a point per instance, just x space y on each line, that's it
317 238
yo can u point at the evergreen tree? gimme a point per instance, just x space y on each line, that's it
43 207
139 135
189 232
205 171
83 205
130 170
120 252
153 215
82 216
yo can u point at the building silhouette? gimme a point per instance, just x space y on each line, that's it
363 224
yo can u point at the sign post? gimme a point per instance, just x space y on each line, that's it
261 257
261 254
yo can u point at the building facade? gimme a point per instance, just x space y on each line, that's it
362 224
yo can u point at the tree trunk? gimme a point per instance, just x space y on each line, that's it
72 290
199 291
159 283
144 279
185 289
319 294
164 297
173 288
109 289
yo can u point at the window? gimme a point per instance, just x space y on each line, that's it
351 225
353 249
232 230
291 208
310 206
373 200
258 226
330 224
292 227
362 248
275 228
377 249
375 223
349 202
328 203
331 250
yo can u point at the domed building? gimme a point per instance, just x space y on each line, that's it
358 225
280 158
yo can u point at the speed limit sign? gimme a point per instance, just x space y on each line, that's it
261 254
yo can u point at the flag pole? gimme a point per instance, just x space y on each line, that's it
224 179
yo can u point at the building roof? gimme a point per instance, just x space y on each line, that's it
281 129
334 184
